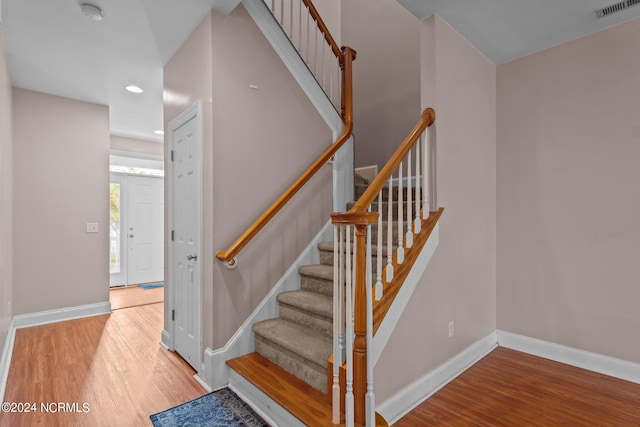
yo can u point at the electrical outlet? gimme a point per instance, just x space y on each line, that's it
451 329
92 227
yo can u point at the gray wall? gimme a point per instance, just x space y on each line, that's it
6 198
256 143
460 281
61 182
569 194
386 75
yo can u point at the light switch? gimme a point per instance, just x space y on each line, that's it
92 227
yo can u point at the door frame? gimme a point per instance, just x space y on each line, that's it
192 113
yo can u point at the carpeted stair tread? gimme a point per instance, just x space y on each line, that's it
303 341
318 271
308 301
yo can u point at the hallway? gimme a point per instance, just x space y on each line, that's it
106 370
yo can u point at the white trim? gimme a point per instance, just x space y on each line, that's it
274 414
242 342
263 18
136 155
61 314
5 362
204 385
165 340
404 295
606 365
411 396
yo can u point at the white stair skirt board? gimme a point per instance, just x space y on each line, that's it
343 184
5 361
414 394
216 372
404 295
274 414
606 365
263 18
61 314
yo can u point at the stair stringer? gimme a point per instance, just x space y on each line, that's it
401 300
243 341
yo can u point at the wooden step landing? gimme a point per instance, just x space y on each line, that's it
306 403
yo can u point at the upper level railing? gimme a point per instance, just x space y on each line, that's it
402 200
319 50
312 39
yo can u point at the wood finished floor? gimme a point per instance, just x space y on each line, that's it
133 296
512 389
112 362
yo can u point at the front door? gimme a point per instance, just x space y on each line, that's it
185 141
145 229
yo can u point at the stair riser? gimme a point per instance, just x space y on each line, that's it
314 284
326 258
306 318
309 372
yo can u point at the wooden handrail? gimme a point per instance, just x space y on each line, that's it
426 120
347 106
325 31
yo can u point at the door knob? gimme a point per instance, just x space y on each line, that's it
192 257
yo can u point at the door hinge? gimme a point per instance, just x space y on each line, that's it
172 155
173 315
172 235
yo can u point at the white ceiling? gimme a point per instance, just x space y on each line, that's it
52 48
507 29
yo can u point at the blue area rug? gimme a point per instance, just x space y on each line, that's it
151 285
222 408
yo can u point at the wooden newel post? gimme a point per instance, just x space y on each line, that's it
360 327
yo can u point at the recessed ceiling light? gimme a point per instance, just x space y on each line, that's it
92 11
158 132
134 89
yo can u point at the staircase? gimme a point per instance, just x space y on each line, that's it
313 364
299 342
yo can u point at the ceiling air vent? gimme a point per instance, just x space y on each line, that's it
616 7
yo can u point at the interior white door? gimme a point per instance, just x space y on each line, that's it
185 142
145 229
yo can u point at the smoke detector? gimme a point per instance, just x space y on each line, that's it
616 7
91 11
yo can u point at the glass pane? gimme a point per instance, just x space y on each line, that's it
114 228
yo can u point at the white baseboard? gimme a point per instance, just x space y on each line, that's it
411 396
216 372
165 340
571 356
5 361
61 314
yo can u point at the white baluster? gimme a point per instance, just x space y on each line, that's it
379 243
400 250
433 165
409 235
425 177
348 398
417 222
390 231
335 390
291 20
369 259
